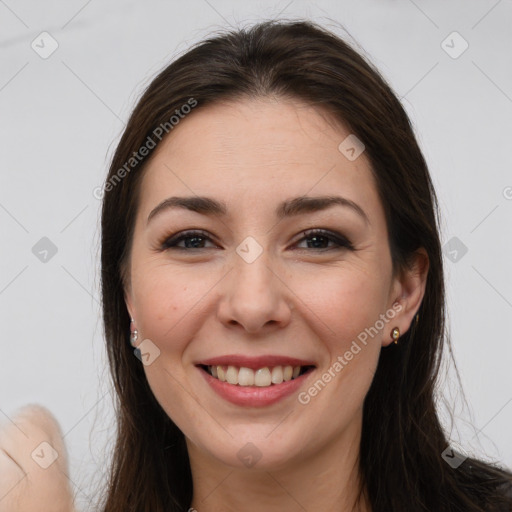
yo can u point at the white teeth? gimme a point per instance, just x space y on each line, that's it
246 377
263 377
277 374
232 375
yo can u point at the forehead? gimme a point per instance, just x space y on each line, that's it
255 151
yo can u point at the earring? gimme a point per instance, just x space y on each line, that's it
134 336
395 334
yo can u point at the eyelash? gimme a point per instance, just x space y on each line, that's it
340 241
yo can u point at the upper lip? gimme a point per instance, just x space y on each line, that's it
255 363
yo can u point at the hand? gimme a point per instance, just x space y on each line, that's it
30 480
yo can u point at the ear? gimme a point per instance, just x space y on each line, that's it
408 291
128 297
129 304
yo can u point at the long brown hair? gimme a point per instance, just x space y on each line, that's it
402 441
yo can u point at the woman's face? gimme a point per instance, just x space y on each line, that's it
251 290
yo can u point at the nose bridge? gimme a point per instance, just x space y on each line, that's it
252 277
254 295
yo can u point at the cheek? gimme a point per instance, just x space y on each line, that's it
343 308
164 299
348 306
167 304
347 301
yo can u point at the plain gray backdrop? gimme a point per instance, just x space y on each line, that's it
70 73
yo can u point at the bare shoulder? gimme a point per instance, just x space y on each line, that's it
33 463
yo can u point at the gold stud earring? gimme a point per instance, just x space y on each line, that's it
395 334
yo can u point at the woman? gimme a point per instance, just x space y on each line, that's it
273 290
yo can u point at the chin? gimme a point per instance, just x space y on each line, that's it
256 449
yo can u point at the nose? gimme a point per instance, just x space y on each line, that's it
255 296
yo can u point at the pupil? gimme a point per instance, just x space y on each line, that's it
316 237
188 244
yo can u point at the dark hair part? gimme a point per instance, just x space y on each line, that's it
402 439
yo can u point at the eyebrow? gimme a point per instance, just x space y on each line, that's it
288 208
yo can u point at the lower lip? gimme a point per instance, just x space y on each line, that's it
254 396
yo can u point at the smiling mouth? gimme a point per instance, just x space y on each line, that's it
262 377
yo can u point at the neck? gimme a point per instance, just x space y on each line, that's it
328 480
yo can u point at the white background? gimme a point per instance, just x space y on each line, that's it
61 118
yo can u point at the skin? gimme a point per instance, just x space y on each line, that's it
24 485
293 300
